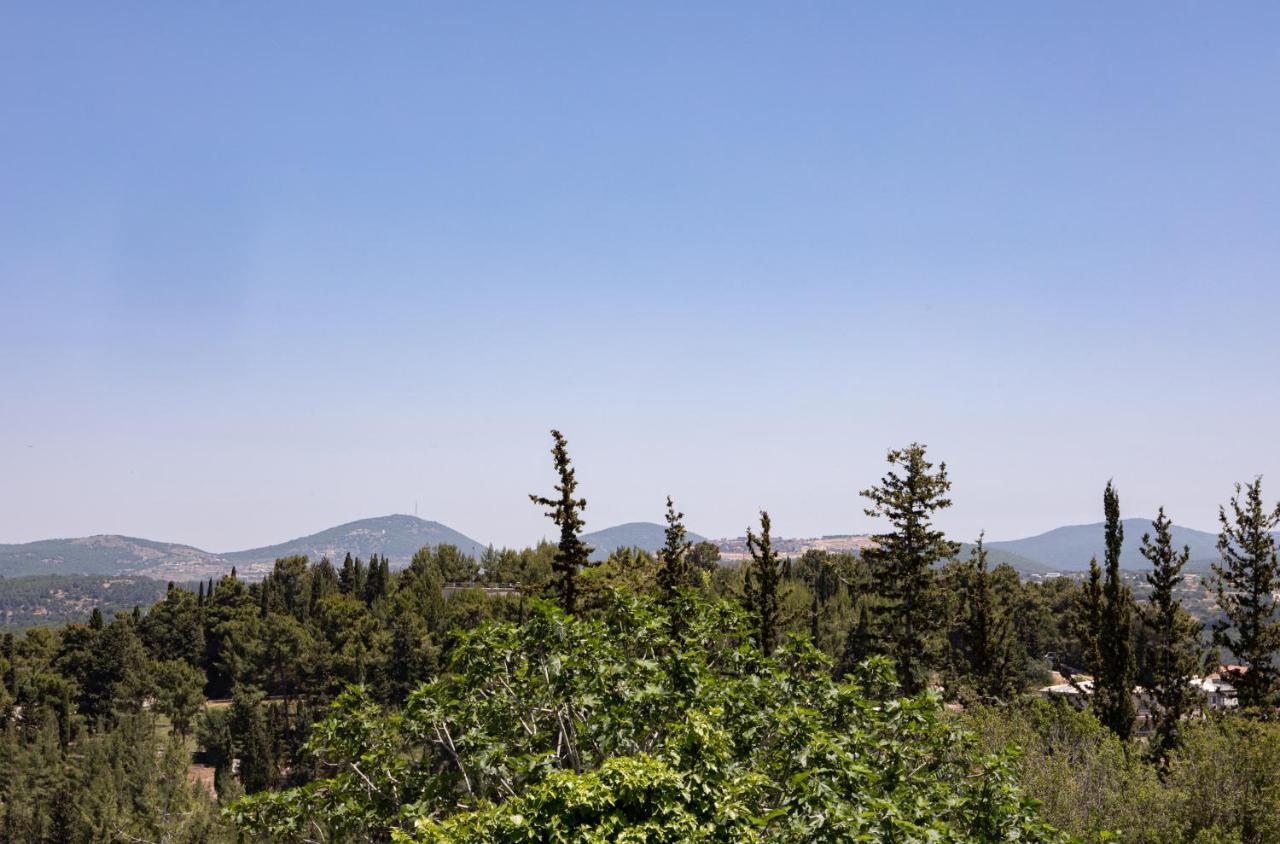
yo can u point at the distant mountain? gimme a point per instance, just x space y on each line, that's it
1070 548
645 535
102 555
397 538
1004 557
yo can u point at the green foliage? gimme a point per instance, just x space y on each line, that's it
902 560
1221 784
1247 580
56 599
572 555
179 693
991 662
1113 684
609 729
762 582
126 784
1173 650
673 559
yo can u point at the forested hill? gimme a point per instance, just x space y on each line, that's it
395 537
1070 548
646 536
43 600
100 555
1003 557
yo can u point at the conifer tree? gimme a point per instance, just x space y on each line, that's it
347 579
324 582
859 643
1113 684
1172 651
252 742
572 554
762 585
989 643
361 577
1246 583
673 559
376 582
1088 619
902 560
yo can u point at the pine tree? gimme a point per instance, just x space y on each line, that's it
361 578
1087 620
375 585
818 571
347 579
1113 685
324 582
673 559
762 585
1247 580
572 554
9 652
902 560
1172 651
859 643
988 640
252 742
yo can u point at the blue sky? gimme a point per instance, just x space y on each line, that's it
269 267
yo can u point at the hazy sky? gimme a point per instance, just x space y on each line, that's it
269 267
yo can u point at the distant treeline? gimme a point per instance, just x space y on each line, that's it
55 599
662 696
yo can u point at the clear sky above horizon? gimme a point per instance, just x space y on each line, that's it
265 268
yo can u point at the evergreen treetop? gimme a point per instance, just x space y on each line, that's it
565 509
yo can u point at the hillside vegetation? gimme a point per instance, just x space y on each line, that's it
885 696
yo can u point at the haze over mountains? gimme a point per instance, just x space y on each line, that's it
646 535
1070 548
1063 549
397 537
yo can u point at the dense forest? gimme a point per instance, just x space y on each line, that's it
888 696
47 599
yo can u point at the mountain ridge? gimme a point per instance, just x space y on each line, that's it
1070 547
647 536
1065 549
396 536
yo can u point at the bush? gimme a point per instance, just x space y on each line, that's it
611 729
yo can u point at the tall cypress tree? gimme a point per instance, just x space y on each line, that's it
859 642
989 644
572 554
1172 651
347 579
375 585
902 559
761 585
1113 685
1246 582
673 559
824 583
1088 619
